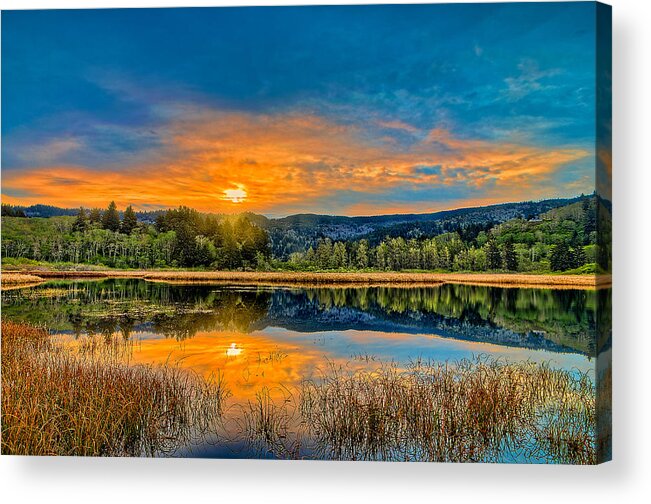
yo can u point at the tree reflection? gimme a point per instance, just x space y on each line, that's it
567 318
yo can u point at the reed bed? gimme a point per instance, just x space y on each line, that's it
19 279
471 411
378 278
72 274
56 401
333 279
267 424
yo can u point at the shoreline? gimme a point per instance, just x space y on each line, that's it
15 279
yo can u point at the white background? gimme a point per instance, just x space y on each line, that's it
626 479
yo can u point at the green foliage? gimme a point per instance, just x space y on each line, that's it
81 222
129 221
561 239
12 211
181 238
111 218
493 255
510 257
95 215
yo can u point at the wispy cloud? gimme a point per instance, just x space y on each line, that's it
368 109
289 161
530 79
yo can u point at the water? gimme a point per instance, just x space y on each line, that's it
276 337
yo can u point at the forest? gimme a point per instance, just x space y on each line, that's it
558 240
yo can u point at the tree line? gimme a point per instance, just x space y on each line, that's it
561 239
444 252
180 237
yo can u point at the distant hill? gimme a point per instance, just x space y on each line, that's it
296 233
46 211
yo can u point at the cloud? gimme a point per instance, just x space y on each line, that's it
48 151
529 80
292 162
398 125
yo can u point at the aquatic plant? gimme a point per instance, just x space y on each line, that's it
58 401
468 411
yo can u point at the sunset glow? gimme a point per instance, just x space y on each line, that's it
235 195
463 121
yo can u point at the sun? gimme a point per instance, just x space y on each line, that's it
235 195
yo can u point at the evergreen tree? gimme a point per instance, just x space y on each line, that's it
324 256
111 218
561 258
95 215
11 211
339 255
361 258
129 221
578 257
493 256
81 222
510 257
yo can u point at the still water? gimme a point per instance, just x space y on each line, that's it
275 337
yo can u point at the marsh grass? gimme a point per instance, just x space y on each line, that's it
86 399
12 280
275 356
337 278
330 279
470 411
56 401
268 424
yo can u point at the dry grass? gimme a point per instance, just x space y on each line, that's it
472 411
354 278
84 400
64 274
373 278
267 424
19 279
59 402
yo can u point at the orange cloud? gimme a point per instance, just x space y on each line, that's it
287 163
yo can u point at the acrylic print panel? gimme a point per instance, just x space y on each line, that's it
337 232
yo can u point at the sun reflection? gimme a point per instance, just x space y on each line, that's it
232 351
235 195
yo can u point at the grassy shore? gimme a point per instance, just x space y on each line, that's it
86 399
11 280
477 410
56 401
326 279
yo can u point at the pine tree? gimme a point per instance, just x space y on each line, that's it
339 255
362 255
561 258
129 221
510 257
493 256
95 215
111 218
81 222
578 257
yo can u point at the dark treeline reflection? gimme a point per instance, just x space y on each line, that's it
561 320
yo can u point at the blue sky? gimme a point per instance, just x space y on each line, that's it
343 110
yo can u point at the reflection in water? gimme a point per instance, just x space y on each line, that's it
268 340
554 320
233 350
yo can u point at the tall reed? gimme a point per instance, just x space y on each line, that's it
470 411
56 401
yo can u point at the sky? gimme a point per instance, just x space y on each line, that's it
348 110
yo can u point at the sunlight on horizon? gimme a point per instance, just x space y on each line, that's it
235 195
